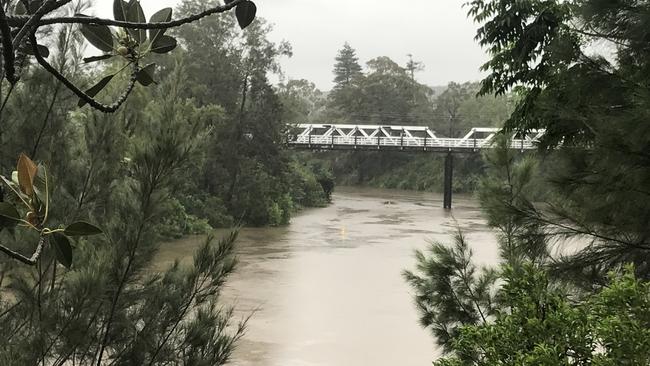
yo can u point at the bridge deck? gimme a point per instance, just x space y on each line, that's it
400 138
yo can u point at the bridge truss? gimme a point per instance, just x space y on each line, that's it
403 138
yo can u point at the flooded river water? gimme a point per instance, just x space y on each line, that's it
327 289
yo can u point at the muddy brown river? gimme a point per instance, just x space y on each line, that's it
327 289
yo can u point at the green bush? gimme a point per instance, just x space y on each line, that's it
306 191
178 223
544 326
210 208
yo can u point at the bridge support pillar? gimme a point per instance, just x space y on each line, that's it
449 174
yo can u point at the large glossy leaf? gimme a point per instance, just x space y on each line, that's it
120 8
62 249
42 50
20 8
245 13
161 16
145 75
135 14
26 173
164 44
99 36
82 228
96 88
41 185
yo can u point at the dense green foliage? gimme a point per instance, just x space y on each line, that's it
177 158
572 289
523 312
108 306
246 168
545 325
451 291
347 71
593 103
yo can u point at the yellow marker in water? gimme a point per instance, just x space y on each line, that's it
344 235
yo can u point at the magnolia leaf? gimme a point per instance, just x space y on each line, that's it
42 50
135 14
82 228
62 249
99 36
120 8
41 186
245 13
161 16
96 89
164 44
98 58
26 173
20 8
8 211
145 75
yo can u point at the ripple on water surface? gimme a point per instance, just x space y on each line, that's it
328 288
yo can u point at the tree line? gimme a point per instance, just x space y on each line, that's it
386 93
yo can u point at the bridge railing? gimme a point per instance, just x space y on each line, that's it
410 142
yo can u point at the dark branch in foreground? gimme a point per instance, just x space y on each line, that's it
29 25
21 258
18 21
81 94
7 48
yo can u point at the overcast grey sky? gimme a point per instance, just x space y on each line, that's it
437 33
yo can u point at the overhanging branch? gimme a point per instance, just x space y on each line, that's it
19 21
80 93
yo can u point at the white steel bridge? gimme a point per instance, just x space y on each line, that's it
404 138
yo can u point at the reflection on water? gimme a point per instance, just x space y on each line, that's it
328 288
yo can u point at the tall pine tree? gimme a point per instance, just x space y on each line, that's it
347 67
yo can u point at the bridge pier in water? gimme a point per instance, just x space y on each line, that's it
448 180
